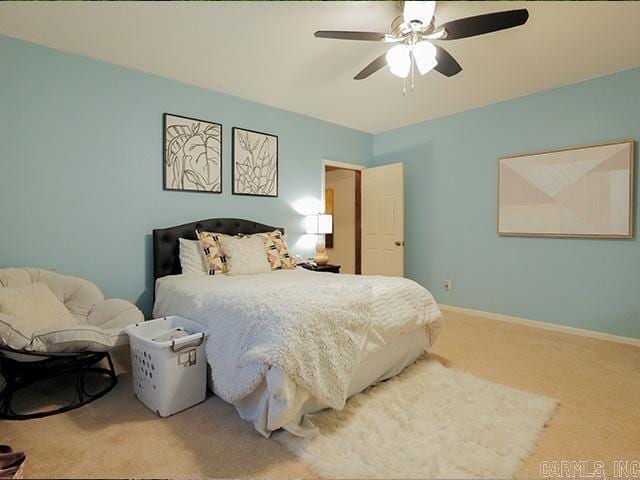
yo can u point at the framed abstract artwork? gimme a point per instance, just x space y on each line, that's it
574 192
192 160
255 163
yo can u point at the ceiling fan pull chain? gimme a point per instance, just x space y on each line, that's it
404 86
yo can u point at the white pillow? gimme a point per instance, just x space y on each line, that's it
191 257
35 306
245 256
26 309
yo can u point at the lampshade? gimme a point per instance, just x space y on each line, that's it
399 60
424 53
319 224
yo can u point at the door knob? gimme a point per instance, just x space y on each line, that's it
399 243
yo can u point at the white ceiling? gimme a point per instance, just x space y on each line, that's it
266 52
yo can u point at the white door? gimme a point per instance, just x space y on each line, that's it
383 220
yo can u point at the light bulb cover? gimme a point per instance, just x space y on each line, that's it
399 60
424 54
419 11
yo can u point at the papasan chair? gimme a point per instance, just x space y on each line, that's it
55 327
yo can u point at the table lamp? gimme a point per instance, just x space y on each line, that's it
319 225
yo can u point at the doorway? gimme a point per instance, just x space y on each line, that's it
342 199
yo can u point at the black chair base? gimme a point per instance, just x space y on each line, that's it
21 374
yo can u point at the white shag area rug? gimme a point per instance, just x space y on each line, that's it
428 422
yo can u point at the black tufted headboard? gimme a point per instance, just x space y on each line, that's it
166 244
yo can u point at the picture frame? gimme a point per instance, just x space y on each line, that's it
191 154
254 163
584 192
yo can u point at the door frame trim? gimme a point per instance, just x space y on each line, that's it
344 165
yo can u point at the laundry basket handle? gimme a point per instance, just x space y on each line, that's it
186 342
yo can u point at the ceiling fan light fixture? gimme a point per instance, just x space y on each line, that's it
424 54
418 11
399 60
413 32
425 67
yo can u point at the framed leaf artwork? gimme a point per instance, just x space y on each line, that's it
255 163
192 160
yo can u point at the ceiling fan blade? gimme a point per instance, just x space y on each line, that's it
372 68
447 65
481 24
367 36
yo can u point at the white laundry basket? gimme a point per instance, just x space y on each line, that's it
168 375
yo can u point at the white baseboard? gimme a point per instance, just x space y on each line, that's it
544 325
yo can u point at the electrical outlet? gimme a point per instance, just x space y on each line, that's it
448 285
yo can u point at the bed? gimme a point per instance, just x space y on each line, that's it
289 343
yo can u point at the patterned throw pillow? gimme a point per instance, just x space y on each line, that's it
277 250
213 254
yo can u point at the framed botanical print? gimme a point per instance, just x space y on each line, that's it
574 192
254 163
192 160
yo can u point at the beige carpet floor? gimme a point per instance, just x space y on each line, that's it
597 384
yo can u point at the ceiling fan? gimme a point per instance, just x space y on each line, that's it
414 32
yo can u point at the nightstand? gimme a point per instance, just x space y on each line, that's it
321 268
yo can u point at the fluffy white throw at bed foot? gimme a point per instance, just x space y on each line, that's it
312 326
429 422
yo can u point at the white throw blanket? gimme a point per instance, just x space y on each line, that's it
312 326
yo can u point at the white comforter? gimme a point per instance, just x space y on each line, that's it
312 326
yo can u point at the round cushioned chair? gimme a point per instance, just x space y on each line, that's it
73 350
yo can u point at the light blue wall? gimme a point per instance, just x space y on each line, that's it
450 184
81 164
81 184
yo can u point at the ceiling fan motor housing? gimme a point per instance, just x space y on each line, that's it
400 28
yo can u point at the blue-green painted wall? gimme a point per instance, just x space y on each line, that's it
81 184
450 188
81 164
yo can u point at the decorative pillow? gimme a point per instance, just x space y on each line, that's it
277 250
35 306
245 256
214 256
192 257
26 309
